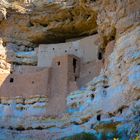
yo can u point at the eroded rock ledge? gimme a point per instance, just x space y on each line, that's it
49 23
109 105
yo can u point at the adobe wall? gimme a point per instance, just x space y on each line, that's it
73 68
86 49
25 82
88 71
74 73
63 71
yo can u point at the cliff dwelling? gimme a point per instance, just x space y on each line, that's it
60 69
69 69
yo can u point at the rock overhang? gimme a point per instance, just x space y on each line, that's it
50 23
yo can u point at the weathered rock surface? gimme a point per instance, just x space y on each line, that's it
40 25
109 106
12 54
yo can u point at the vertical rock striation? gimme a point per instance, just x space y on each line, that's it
106 107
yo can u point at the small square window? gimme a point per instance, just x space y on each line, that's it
11 80
58 63
99 117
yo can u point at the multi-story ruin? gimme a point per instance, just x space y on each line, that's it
60 69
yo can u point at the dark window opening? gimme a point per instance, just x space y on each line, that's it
120 110
11 72
100 55
74 65
58 63
33 82
76 50
106 86
99 117
92 96
89 72
53 48
11 80
65 51
76 78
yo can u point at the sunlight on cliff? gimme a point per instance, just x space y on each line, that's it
16 5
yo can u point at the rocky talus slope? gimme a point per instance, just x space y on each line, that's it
108 106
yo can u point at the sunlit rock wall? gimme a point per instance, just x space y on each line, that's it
109 103
109 106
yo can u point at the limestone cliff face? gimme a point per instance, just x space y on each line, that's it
48 23
109 105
